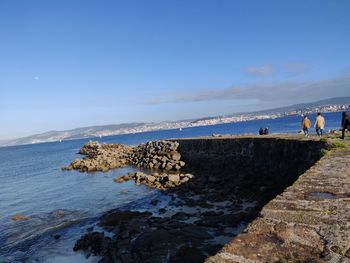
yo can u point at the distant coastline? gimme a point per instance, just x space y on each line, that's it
325 106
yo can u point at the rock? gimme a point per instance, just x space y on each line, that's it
115 218
190 176
176 167
157 154
60 213
94 242
101 157
154 202
180 216
175 178
161 210
176 156
151 178
67 168
19 217
168 167
122 179
188 255
184 180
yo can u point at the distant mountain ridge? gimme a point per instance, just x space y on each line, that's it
327 105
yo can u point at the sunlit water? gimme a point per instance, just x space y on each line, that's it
63 205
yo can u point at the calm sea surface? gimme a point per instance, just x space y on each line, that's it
65 204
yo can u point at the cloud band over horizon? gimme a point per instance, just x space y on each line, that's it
268 92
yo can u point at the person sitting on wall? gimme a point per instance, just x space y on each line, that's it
345 124
263 131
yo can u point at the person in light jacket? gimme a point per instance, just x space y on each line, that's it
305 125
319 124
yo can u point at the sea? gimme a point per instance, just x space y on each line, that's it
63 205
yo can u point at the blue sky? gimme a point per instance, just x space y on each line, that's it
67 64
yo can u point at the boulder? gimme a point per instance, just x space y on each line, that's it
175 178
176 156
151 178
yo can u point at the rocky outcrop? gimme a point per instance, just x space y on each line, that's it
158 155
101 157
160 181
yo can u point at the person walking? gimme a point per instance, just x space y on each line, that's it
345 124
305 126
319 124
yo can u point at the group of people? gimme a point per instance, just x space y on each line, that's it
320 123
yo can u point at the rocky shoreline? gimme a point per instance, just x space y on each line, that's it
189 228
198 220
226 183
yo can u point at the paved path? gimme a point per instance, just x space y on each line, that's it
308 222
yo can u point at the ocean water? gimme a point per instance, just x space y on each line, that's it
61 206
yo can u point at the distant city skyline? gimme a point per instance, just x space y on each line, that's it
67 64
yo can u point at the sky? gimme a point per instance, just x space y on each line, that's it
67 64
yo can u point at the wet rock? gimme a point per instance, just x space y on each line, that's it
154 202
124 178
95 243
180 216
116 218
161 210
188 255
19 217
155 180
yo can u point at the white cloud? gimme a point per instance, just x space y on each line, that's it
262 71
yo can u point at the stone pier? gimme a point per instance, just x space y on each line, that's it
309 221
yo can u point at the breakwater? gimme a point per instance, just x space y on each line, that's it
308 222
234 179
250 166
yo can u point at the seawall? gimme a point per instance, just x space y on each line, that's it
305 199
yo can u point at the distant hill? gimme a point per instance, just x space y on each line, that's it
78 133
327 105
304 107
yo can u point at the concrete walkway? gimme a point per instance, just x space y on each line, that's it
308 222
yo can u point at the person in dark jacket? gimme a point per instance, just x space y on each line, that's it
345 124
